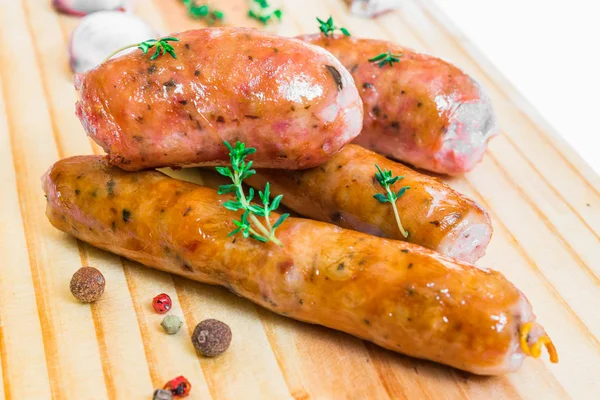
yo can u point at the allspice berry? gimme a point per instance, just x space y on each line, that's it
87 284
211 337
171 324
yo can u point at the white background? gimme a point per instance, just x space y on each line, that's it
550 51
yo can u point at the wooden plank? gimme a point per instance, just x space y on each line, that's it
70 348
249 366
21 345
116 348
577 185
166 356
120 339
57 80
526 109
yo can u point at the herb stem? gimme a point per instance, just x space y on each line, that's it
267 219
162 47
260 226
386 179
120 49
267 233
252 231
402 230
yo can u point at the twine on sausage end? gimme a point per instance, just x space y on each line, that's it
535 350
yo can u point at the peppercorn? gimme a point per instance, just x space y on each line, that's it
162 394
87 284
171 324
162 303
211 337
179 387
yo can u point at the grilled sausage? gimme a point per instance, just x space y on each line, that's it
292 101
420 110
401 296
341 192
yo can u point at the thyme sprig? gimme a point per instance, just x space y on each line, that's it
328 28
204 11
249 224
386 58
262 11
162 47
386 179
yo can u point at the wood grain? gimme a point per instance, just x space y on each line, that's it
543 199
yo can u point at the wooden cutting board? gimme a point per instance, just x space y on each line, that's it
544 201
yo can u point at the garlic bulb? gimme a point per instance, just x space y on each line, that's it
85 7
372 8
100 33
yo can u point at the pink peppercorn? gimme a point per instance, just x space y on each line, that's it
162 303
179 387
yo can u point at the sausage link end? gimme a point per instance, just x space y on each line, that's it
535 350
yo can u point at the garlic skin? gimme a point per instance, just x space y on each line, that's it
100 33
82 8
372 8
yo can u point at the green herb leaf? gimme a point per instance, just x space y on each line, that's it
276 201
203 12
262 11
235 231
248 172
256 209
386 58
233 205
225 171
280 220
391 181
259 238
381 198
264 196
402 191
378 57
328 28
224 189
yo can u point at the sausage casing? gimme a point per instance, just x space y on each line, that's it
341 192
421 110
292 101
401 296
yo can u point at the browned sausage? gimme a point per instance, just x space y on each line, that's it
292 101
421 110
341 192
401 296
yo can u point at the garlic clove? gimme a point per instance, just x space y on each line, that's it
372 8
81 8
100 33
